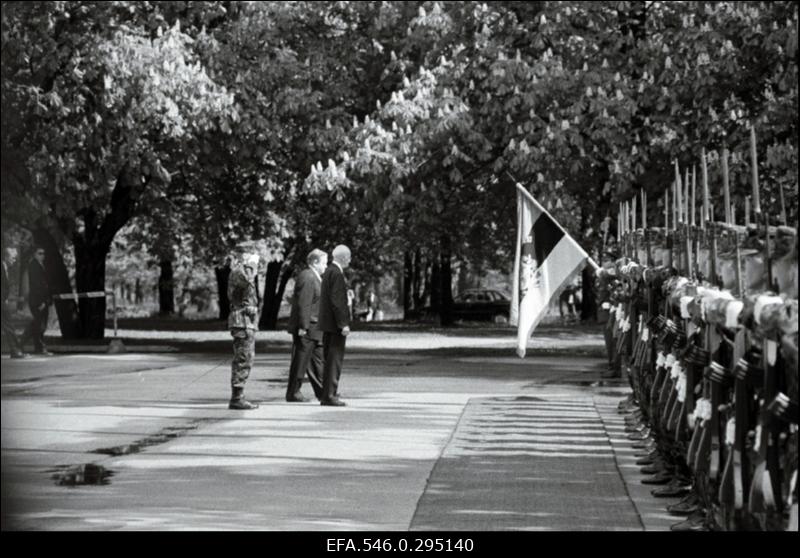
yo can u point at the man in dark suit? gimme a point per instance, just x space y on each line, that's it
39 301
334 321
9 257
307 355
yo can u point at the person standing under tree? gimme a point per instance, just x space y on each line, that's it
39 300
307 356
243 323
334 321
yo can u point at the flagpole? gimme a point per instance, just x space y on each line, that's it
557 224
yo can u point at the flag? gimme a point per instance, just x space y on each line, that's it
546 259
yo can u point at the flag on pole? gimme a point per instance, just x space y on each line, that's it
546 259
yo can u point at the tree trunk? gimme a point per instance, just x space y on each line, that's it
425 297
92 246
166 288
138 294
418 298
90 276
278 276
446 279
223 273
58 278
436 288
408 276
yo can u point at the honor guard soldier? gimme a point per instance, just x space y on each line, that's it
607 284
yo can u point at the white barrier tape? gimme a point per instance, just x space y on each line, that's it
75 296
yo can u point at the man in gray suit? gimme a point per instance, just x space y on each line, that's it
304 327
334 321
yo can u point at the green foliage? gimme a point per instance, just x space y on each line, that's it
385 125
584 102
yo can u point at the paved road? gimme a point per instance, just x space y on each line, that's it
426 442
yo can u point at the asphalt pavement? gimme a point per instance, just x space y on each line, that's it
428 441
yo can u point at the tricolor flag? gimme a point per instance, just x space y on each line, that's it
546 259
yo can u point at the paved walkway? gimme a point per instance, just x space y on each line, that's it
528 463
424 441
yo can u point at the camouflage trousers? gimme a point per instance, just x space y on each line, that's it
244 349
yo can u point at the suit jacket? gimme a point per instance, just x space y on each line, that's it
333 311
305 304
243 297
38 289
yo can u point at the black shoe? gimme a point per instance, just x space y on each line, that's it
695 522
296 398
672 490
242 404
687 506
335 402
659 478
646 460
653 469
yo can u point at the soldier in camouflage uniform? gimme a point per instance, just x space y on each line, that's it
243 323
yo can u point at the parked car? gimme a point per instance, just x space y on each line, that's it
481 304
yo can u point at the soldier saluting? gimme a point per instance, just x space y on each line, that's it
243 323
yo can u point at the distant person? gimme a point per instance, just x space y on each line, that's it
334 321
9 257
243 323
568 299
307 354
371 301
39 300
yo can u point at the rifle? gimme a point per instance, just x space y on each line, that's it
766 475
735 484
714 279
707 457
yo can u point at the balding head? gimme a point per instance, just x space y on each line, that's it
341 255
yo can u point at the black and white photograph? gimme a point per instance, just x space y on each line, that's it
399 276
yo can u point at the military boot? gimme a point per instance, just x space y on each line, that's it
239 403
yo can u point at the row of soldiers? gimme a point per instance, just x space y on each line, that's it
705 328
